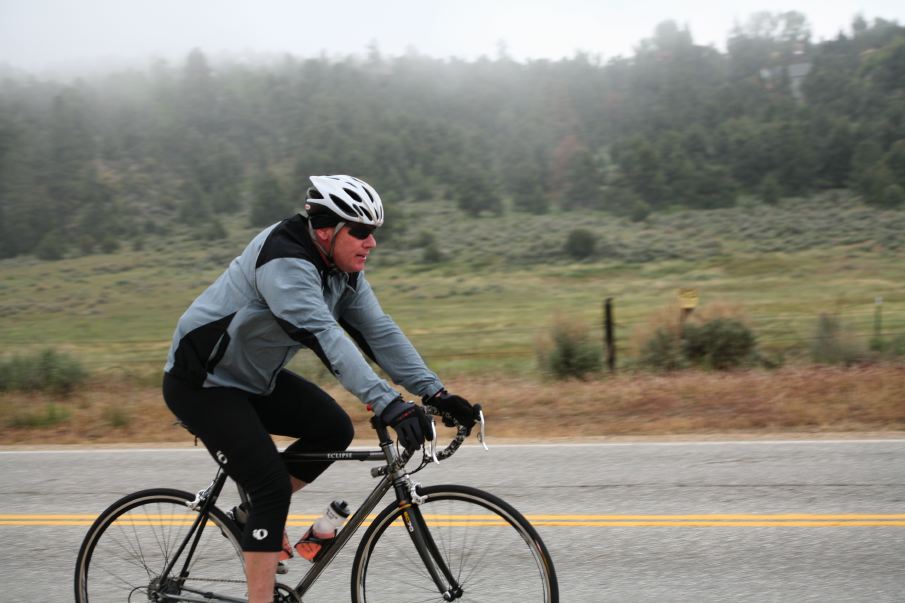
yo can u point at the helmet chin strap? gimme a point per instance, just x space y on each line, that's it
328 253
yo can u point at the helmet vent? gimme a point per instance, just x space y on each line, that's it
342 204
353 194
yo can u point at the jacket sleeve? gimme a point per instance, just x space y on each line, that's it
382 339
292 289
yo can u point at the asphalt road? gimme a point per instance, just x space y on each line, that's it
707 521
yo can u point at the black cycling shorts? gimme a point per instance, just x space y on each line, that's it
235 427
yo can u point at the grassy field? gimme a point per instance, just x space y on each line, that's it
478 315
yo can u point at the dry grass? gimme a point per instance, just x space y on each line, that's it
788 401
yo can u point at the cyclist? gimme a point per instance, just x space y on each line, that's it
300 282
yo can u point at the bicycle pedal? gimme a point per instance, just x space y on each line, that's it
284 594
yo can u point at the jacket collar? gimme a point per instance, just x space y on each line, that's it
298 225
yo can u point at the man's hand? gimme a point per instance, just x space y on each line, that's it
411 424
457 406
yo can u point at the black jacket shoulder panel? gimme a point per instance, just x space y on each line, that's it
290 239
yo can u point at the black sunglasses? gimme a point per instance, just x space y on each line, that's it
361 231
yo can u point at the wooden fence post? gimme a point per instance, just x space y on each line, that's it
609 339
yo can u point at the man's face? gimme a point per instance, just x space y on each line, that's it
350 253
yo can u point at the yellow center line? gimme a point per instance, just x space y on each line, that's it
720 517
722 520
724 524
539 520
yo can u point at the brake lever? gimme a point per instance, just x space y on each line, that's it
481 432
433 446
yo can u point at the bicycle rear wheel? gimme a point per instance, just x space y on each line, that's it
490 548
131 543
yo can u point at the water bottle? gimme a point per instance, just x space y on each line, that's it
323 530
333 519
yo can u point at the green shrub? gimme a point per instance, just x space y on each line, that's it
832 344
425 239
580 244
47 370
893 196
109 244
432 254
889 348
213 230
638 211
569 352
896 347
662 351
50 247
721 343
53 414
117 417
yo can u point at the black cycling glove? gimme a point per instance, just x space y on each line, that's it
411 424
457 406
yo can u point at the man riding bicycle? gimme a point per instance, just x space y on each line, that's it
300 282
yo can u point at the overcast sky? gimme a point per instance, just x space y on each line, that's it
42 35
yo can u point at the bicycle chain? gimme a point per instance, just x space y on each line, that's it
229 581
217 580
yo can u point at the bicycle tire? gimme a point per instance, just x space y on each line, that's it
490 547
131 542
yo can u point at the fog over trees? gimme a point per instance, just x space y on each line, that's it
87 164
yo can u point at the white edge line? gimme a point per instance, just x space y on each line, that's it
77 450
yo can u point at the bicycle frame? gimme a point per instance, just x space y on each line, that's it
393 475
386 454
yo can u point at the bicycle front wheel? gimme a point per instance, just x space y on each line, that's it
131 544
490 550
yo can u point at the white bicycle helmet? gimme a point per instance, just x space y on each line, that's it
350 199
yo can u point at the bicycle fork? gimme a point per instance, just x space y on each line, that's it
447 585
409 501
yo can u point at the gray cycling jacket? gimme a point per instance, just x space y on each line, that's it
279 295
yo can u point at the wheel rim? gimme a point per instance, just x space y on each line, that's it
492 557
138 541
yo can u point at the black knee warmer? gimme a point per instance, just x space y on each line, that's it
270 496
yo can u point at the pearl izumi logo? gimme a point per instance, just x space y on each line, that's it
221 457
259 534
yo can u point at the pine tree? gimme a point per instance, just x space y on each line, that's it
269 201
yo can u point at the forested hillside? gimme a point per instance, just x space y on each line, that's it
88 164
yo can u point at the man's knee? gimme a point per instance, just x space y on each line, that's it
270 497
273 491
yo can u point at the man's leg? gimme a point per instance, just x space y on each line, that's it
260 568
226 422
260 572
300 409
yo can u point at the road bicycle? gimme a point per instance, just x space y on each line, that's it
432 543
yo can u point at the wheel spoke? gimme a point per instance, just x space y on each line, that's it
489 548
134 541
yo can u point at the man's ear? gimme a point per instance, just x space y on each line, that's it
323 234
